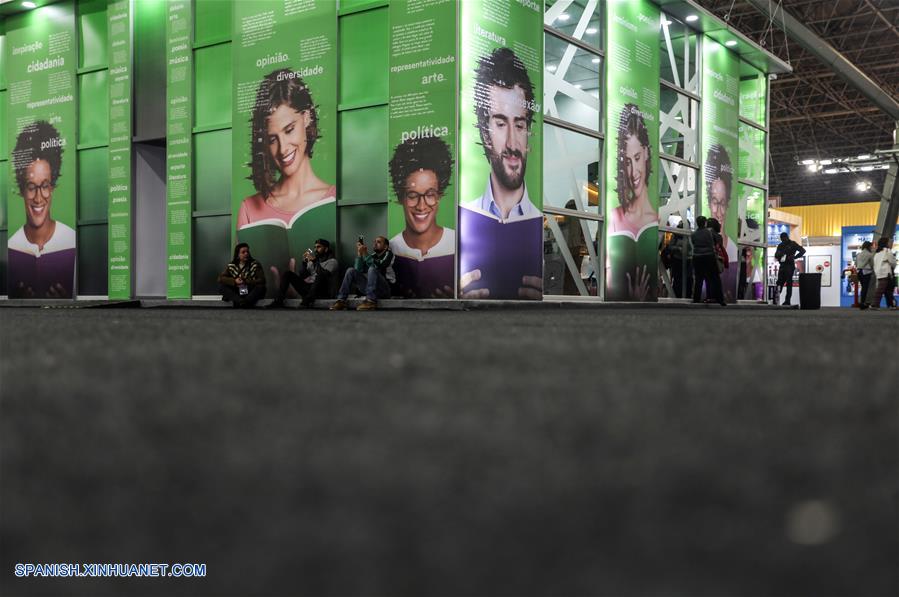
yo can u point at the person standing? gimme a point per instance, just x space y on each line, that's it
786 254
884 269
705 265
864 265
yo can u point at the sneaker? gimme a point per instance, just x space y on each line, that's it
276 304
339 305
367 305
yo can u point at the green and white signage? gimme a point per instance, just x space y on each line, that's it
179 158
119 239
284 136
421 213
41 62
632 161
720 130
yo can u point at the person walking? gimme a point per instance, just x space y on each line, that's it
884 269
786 254
864 266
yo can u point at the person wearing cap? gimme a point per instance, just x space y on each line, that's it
317 277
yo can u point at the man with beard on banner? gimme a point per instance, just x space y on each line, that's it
501 241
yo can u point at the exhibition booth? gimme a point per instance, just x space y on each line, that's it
508 149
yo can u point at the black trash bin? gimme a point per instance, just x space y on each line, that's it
809 291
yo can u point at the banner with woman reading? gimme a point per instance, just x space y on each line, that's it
284 135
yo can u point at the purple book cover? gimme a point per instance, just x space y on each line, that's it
504 252
40 273
422 279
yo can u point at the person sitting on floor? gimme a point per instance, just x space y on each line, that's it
371 274
317 277
243 281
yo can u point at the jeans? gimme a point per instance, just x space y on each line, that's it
865 280
374 284
705 269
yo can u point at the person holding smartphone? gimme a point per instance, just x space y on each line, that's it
371 274
317 277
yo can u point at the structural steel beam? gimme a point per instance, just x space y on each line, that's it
888 213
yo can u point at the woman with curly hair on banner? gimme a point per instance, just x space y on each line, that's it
42 251
633 224
719 176
420 171
284 131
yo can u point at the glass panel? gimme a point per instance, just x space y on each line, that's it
92 33
93 108
752 214
212 250
212 107
570 255
212 20
753 86
678 63
363 164
579 19
679 124
363 52
751 163
571 83
751 275
677 194
93 185
570 169
92 260
212 171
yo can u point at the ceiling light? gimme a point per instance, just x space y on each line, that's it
826 162
592 30
807 162
863 185
813 167
551 68
864 156
730 43
832 171
28 4
562 17
866 168
595 61
692 18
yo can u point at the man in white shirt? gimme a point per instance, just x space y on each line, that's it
504 103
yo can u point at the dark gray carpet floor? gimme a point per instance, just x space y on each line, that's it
557 452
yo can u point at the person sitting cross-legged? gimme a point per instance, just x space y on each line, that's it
243 282
317 277
371 274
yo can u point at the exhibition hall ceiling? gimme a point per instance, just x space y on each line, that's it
814 113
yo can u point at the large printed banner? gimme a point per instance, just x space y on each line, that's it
632 161
119 39
501 125
720 129
42 60
421 215
284 136
179 153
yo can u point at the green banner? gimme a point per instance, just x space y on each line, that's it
179 149
720 130
119 39
501 133
41 62
284 136
632 161
421 213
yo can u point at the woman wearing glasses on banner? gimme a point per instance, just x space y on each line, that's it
41 252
